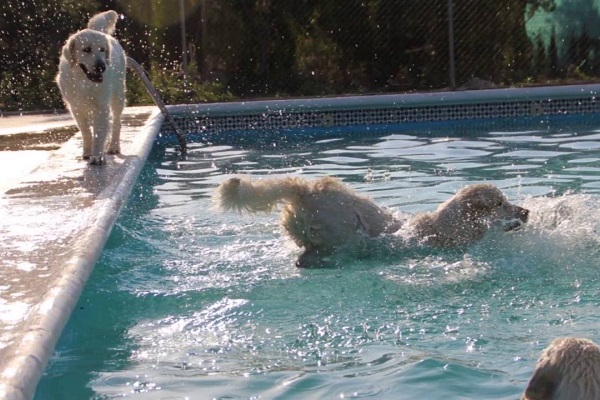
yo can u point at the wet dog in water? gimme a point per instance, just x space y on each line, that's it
91 78
324 216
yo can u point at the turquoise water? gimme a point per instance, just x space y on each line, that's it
189 303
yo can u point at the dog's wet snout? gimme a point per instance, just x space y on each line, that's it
520 216
523 214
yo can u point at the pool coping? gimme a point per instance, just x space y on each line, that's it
93 197
375 101
22 368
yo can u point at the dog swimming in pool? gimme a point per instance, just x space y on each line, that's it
91 79
324 216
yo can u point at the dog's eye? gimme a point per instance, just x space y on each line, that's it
87 49
499 203
102 49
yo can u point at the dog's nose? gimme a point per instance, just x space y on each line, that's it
523 214
99 67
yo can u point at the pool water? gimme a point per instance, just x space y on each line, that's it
190 303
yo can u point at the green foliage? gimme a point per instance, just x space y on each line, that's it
31 35
266 48
173 88
26 91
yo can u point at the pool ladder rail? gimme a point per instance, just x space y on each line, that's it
133 65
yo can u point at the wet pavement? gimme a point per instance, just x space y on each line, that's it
55 215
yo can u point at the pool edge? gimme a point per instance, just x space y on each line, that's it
375 101
21 372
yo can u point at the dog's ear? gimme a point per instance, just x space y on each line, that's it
542 385
68 51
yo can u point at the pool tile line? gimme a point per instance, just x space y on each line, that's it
388 109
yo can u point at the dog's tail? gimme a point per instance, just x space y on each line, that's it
105 22
242 194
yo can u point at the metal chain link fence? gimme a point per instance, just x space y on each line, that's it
211 50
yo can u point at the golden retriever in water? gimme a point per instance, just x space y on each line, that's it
91 78
568 369
325 216
466 217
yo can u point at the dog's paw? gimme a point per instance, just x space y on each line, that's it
114 150
96 160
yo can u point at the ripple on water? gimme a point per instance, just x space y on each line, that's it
191 303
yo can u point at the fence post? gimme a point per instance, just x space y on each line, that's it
184 60
451 57
203 40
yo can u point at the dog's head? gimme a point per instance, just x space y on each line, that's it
486 202
90 51
569 368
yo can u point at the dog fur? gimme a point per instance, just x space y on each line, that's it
91 79
324 216
568 369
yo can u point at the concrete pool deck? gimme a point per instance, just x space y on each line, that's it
56 213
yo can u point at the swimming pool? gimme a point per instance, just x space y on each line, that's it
190 303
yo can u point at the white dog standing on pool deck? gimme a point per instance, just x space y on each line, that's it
91 78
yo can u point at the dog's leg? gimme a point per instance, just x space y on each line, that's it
101 123
117 105
83 120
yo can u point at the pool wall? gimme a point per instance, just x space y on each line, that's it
388 109
31 347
